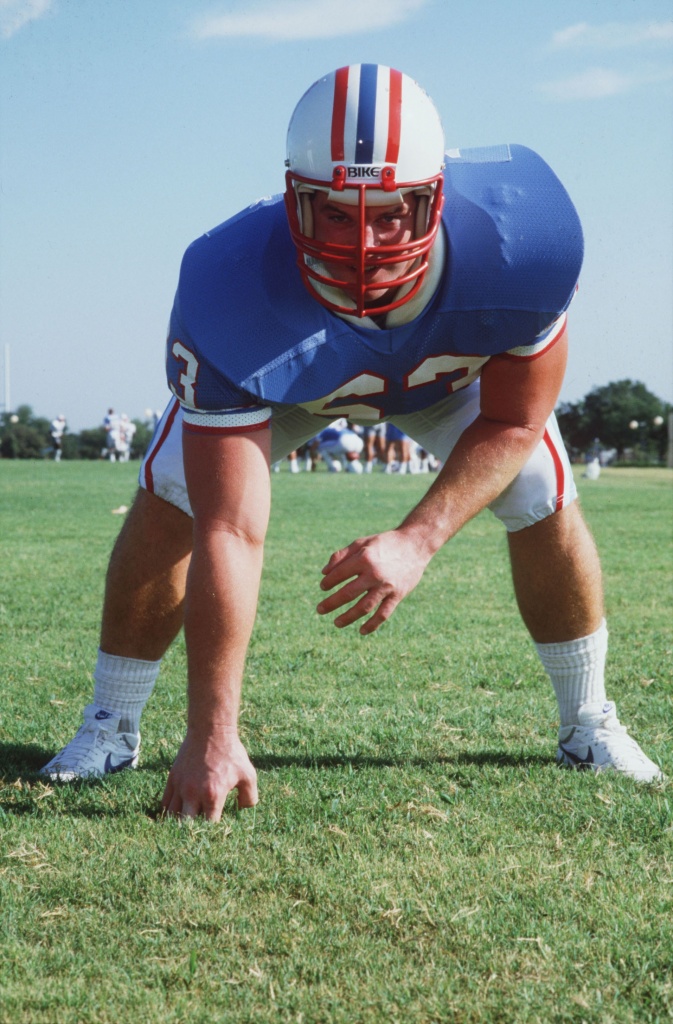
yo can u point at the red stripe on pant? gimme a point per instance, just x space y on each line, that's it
149 479
558 468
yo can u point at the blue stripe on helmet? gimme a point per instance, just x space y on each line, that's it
364 144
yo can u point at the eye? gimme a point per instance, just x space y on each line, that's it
396 217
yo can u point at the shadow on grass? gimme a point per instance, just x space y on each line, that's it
99 798
20 760
268 763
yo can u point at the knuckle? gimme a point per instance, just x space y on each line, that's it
210 794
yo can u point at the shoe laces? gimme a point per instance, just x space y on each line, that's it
89 738
607 721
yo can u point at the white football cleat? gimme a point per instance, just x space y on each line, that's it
600 743
97 749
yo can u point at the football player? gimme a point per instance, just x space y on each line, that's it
393 280
57 429
111 426
375 445
398 450
340 446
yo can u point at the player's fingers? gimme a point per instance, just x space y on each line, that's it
247 792
180 802
168 796
335 558
364 606
189 809
213 812
383 612
344 571
336 561
344 596
173 808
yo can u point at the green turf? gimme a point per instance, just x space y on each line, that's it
416 855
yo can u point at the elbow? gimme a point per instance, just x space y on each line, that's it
529 430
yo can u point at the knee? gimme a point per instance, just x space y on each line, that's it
562 535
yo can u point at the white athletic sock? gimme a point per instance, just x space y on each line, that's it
123 686
577 671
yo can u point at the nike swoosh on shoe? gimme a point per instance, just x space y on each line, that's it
579 762
109 767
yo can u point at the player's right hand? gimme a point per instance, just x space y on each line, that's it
205 771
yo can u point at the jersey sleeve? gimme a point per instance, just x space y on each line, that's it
226 421
211 403
544 341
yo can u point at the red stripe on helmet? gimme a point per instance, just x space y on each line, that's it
394 117
339 113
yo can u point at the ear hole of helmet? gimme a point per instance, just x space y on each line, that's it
305 205
422 214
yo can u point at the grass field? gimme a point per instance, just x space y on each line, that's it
416 856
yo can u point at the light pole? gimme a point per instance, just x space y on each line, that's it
7 390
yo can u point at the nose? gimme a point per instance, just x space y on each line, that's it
370 236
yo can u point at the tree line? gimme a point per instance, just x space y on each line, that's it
623 418
26 436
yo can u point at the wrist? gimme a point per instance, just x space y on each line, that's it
213 741
424 534
204 722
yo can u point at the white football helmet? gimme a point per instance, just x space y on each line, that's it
365 135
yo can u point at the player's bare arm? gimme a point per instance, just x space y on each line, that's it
228 483
377 572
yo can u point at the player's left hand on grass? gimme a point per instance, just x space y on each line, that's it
377 573
205 771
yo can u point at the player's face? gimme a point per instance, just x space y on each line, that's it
338 224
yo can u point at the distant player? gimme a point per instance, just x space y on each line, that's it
396 281
292 460
58 428
374 437
593 469
124 437
340 446
398 450
111 425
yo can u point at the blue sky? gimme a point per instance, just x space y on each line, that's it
129 128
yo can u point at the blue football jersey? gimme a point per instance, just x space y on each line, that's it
246 334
